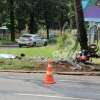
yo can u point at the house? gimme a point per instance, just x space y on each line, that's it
4 32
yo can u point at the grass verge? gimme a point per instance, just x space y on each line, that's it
32 52
27 62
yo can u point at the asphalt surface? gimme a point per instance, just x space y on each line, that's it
13 46
30 86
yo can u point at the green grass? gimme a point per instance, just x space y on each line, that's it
16 64
26 63
22 64
32 52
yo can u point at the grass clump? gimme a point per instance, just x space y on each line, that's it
16 64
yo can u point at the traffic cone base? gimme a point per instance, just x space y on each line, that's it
49 79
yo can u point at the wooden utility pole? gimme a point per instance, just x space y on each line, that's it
80 24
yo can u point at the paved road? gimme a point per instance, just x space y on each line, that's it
9 46
14 86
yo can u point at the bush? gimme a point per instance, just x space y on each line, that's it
67 45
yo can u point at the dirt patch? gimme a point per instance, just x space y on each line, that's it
42 64
66 67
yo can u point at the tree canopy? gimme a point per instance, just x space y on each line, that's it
52 14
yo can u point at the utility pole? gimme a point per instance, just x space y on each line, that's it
80 24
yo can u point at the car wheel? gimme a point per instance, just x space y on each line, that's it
20 45
45 43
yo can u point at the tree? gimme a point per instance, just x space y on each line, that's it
33 27
53 12
80 24
61 13
22 13
12 19
46 9
49 13
71 14
3 12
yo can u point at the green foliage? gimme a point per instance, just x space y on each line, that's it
67 45
66 40
62 41
50 12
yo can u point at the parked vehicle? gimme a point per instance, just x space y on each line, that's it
52 37
31 40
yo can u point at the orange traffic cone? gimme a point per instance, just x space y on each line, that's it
49 74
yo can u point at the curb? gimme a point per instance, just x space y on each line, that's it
59 73
80 73
22 71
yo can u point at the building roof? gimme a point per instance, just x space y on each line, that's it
3 27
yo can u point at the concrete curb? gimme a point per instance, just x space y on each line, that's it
22 71
59 73
80 73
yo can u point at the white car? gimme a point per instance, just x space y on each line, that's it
52 37
31 40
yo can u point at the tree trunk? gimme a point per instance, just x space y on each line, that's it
61 23
80 24
47 31
47 25
32 24
12 18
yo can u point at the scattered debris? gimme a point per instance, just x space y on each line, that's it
7 56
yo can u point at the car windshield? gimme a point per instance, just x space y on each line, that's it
26 36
